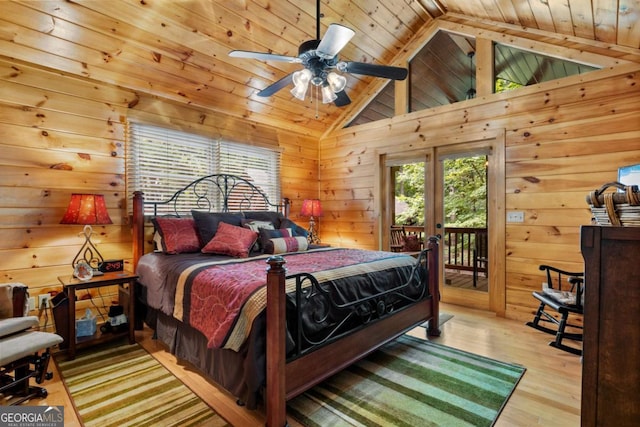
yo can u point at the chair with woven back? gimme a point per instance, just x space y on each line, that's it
561 297
396 238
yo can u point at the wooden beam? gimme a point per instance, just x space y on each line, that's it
484 67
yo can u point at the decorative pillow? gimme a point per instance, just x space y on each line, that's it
256 225
281 245
267 235
177 235
207 222
411 243
231 240
270 216
297 230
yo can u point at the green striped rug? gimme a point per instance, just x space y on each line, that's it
125 386
411 382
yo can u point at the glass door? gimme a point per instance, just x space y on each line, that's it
463 218
462 201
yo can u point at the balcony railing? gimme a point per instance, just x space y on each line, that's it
463 248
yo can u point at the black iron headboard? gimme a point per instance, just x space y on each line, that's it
213 193
217 193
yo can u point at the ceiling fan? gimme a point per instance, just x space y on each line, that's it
320 60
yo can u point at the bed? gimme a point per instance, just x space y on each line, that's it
270 317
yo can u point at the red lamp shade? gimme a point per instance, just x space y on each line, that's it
86 209
311 207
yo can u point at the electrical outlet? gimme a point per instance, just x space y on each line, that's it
43 300
32 303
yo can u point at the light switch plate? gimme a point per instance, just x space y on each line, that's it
515 216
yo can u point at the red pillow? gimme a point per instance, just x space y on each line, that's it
231 240
178 235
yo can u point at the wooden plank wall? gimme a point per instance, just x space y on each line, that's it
62 134
563 139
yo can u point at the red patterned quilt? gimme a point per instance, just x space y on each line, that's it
221 299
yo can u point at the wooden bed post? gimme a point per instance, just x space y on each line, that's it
138 227
434 289
275 397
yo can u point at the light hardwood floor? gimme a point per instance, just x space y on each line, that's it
547 395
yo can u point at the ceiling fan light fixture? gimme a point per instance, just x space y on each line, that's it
336 81
328 95
301 83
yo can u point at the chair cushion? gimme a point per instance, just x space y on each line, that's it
555 304
17 346
16 324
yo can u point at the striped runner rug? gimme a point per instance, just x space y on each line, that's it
411 382
125 386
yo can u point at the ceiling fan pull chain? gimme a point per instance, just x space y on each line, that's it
317 101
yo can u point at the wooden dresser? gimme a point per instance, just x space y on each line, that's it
611 347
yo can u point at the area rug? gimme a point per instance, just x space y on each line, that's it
411 382
125 386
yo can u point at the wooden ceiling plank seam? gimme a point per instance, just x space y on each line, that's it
629 23
402 20
433 7
582 18
421 10
605 17
561 16
526 18
508 11
492 11
542 13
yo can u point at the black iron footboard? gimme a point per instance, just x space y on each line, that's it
316 316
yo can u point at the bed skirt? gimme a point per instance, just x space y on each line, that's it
239 373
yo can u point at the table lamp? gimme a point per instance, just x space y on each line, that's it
311 208
87 210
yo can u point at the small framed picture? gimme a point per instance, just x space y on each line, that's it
629 175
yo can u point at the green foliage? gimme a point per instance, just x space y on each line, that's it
410 191
465 187
503 85
465 198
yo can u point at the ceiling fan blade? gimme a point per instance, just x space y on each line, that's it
274 87
336 37
385 71
342 99
263 56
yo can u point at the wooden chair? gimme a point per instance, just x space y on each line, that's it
396 240
563 293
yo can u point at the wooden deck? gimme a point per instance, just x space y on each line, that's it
464 279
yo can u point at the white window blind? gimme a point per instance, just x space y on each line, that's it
161 161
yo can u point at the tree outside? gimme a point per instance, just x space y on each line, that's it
465 184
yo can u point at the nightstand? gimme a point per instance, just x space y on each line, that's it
126 289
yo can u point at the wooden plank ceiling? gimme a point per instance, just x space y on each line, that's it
179 49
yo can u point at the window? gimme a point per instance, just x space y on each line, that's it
161 161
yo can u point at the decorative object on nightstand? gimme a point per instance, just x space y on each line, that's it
312 208
87 210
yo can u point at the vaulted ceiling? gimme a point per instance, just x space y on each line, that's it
179 49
